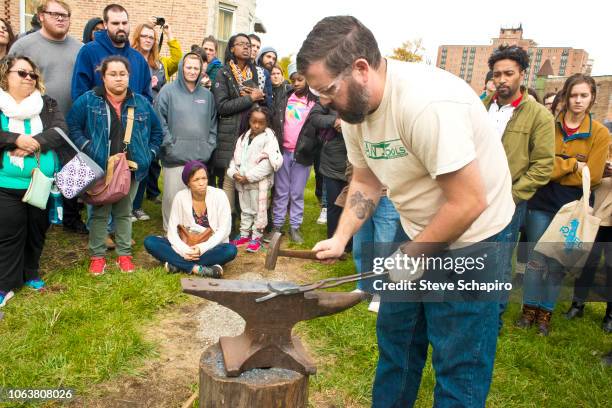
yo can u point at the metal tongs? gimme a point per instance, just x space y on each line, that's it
320 284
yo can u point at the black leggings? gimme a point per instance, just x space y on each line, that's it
22 237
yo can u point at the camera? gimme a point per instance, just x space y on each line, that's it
160 21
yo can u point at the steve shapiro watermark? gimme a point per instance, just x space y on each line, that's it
406 272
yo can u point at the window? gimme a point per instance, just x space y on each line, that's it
225 26
28 9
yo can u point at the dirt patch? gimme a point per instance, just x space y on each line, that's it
62 250
182 335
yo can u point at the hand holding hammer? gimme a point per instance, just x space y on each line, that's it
274 251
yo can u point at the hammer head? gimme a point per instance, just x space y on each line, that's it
273 250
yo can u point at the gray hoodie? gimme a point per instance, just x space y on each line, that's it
189 120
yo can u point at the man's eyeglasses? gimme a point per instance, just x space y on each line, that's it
24 74
58 16
330 90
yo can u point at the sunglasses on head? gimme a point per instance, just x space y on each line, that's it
24 74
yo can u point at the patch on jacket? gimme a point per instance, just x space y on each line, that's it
201 101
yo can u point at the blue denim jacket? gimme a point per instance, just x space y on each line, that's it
89 121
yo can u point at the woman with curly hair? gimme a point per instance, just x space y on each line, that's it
28 139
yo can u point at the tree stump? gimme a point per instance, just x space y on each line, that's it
266 388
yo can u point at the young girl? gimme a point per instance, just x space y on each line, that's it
297 136
255 160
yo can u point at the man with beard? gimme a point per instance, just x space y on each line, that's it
527 131
114 40
424 134
54 51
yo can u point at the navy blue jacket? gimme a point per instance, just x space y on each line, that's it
85 75
88 122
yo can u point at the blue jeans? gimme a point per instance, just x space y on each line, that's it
463 336
508 239
376 235
161 250
543 275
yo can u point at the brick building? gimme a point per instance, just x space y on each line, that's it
191 20
470 61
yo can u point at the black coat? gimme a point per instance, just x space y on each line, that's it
230 108
49 139
308 145
332 162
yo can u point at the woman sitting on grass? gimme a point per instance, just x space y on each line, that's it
197 207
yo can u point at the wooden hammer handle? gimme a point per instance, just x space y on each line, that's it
303 254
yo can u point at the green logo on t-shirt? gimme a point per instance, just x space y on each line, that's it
389 149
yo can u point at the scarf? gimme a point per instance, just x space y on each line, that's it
240 75
17 113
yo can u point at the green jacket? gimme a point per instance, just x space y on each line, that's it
529 142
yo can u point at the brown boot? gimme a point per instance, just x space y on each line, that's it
527 318
543 319
110 244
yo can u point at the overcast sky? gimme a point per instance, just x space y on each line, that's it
578 24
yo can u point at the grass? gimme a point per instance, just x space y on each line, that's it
82 331
85 331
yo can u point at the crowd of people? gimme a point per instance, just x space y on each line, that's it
236 143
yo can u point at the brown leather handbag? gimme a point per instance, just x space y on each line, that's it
193 238
116 183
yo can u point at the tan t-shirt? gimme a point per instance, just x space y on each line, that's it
430 123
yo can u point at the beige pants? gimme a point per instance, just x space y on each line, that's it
173 183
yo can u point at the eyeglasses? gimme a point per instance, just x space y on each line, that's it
147 37
242 44
330 90
57 16
24 74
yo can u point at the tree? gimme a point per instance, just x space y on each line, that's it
410 51
284 64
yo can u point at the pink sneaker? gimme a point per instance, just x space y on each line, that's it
254 245
240 241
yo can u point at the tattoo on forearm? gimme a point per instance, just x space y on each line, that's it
361 206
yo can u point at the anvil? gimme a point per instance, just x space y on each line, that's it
267 340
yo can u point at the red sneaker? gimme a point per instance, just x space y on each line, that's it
97 265
125 263
240 241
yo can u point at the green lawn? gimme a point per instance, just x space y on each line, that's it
85 331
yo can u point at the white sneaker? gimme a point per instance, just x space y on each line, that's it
6 298
322 217
374 304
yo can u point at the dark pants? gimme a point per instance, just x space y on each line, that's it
334 188
72 211
216 176
583 284
152 180
161 249
22 238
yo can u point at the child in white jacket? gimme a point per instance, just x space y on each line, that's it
256 158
